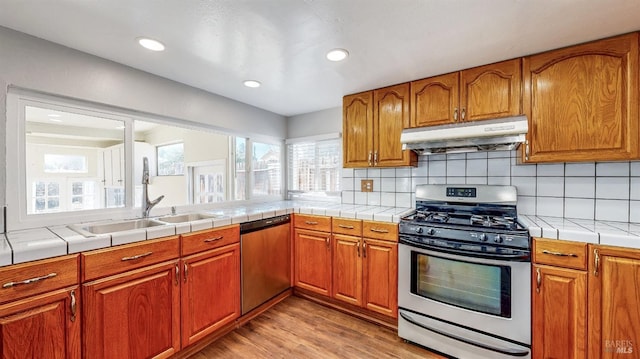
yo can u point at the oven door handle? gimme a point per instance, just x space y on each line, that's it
518 256
507 351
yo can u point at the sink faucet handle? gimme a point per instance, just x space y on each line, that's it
173 210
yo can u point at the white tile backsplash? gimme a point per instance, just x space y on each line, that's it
550 186
580 187
555 169
584 191
609 169
456 168
612 210
437 168
526 185
476 167
580 169
499 167
579 208
612 187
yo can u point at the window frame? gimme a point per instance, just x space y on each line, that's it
329 196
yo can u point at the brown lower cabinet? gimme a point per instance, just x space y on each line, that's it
40 309
210 292
135 307
134 315
585 300
343 263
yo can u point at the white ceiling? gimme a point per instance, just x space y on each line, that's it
216 44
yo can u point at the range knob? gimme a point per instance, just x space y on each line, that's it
483 237
419 230
498 238
431 231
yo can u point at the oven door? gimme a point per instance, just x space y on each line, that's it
477 296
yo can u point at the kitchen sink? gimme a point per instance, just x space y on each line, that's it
187 217
91 230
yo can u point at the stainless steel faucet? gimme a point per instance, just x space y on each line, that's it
146 203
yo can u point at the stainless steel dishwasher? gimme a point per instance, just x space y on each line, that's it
265 252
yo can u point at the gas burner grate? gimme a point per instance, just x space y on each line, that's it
436 217
492 221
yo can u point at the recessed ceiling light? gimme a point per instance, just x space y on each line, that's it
55 120
337 54
252 83
53 115
151 44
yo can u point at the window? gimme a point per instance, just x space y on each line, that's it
266 172
208 182
240 170
314 169
65 163
171 160
46 196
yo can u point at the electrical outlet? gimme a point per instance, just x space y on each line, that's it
366 185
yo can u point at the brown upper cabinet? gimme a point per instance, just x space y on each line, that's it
485 92
582 102
372 124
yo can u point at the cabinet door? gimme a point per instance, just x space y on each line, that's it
357 130
391 115
133 315
559 313
42 326
313 261
210 292
582 102
380 275
614 308
434 101
347 269
491 91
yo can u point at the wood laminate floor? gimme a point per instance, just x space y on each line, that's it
298 328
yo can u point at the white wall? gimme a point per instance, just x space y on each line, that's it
315 123
39 65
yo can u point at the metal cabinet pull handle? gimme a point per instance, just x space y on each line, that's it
538 280
379 230
455 114
345 226
369 158
186 271
213 239
73 305
463 114
358 248
29 281
312 223
364 249
177 274
526 150
124 259
375 158
596 262
559 254
327 241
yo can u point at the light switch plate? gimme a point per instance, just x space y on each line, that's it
366 185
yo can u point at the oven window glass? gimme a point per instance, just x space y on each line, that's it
478 287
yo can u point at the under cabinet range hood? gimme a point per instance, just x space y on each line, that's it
488 135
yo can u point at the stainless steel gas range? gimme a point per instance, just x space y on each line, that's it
464 273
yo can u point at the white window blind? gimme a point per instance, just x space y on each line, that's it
314 168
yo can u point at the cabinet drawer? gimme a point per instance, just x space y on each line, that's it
347 226
209 239
380 230
316 223
560 253
108 261
26 279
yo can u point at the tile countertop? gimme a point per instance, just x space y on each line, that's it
39 243
611 233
